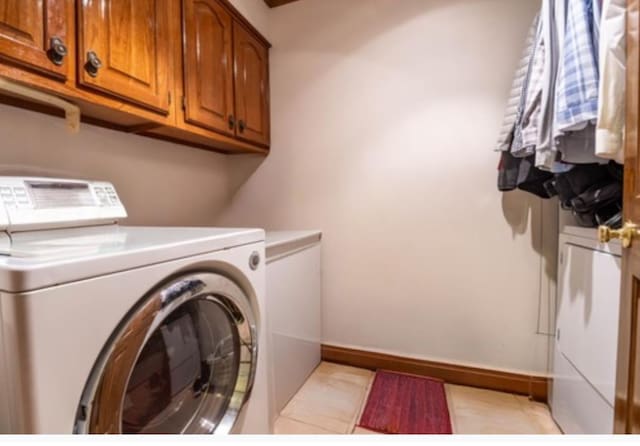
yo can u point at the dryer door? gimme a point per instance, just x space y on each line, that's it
182 361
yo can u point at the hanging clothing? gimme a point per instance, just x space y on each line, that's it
578 146
597 17
576 94
520 173
552 16
551 147
577 86
611 101
528 127
513 105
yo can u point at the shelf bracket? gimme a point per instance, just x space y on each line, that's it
71 111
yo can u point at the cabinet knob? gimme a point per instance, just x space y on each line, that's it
93 64
232 122
241 125
57 50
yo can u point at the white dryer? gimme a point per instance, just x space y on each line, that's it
113 329
586 342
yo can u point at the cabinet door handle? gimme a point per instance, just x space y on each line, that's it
93 64
232 122
57 51
241 126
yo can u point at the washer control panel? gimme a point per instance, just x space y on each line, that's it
28 203
14 196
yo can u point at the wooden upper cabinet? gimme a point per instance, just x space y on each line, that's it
208 65
124 61
34 35
251 72
124 50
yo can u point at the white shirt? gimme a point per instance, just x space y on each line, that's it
612 91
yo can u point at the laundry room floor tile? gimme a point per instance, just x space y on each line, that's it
541 414
362 431
361 377
331 398
480 411
284 425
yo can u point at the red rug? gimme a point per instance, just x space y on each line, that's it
406 404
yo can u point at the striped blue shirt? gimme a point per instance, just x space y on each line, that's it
577 82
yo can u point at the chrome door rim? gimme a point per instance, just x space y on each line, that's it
162 301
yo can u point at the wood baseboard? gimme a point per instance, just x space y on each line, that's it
535 387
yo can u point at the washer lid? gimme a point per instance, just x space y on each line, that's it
38 259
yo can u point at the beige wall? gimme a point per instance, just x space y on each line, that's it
152 177
384 116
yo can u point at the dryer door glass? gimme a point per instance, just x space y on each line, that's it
182 361
191 360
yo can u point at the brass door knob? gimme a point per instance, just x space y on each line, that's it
625 234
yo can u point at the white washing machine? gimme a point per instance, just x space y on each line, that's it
114 329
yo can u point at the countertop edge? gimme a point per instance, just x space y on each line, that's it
280 239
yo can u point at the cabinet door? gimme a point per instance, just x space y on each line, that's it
252 87
208 70
124 50
33 34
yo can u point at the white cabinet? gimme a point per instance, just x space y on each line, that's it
586 333
293 310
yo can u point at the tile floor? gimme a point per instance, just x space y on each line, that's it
331 400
